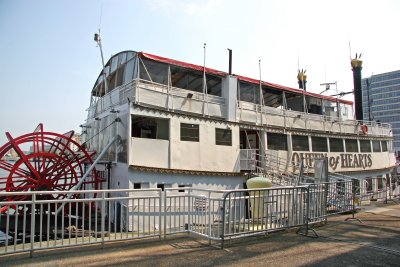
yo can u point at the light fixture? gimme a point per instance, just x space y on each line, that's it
189 95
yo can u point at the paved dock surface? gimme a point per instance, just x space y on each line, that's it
374 242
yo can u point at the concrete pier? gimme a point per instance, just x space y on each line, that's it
374 242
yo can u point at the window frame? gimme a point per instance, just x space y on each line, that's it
314 140
190 138
223 131
299 146
341 149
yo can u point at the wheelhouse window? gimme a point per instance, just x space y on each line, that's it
193 80
376 146
336 145
156 72
190 132
223 137
351 145
277 141
300 143
130 70
384 146
249 92
319 144
149 127
365 145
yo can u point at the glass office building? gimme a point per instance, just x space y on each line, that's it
381 101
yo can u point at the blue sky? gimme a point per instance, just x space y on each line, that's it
50 61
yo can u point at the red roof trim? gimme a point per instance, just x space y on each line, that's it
293 90
241 78
181 64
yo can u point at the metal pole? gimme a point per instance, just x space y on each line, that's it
32 225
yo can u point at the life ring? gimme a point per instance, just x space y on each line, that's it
364 129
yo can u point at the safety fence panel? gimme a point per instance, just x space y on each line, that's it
198 211
251 212
330 198
39 220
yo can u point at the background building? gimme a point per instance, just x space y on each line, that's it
381 101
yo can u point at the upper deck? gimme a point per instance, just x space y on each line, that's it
175 86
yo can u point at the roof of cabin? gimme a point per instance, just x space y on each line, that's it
224 74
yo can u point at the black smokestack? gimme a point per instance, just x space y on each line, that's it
356 65
230 61
302 79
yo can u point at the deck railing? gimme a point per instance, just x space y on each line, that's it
172 98
32 221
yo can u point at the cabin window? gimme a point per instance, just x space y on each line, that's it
130 70
121 58
111 82
154 71
223 137
384 146
365 145
120 75
319 144
161 186
186 79
376 146
214 85
277 141
137 186
300 143
190 132
351 145
336 145
181 190
249 92
149 127
114 64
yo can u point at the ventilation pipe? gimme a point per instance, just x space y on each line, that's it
230 61
356 65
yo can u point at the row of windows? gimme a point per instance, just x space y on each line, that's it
385 83
320 144
392 100
386 76
379 90
387 107
380 95
158 128
181 187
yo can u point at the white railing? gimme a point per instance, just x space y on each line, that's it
264 115
29 220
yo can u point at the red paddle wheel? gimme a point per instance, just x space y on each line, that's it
55 162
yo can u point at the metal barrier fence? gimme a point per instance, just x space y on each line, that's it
38 220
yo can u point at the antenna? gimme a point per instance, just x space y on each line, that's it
350 49
261 94
101 15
